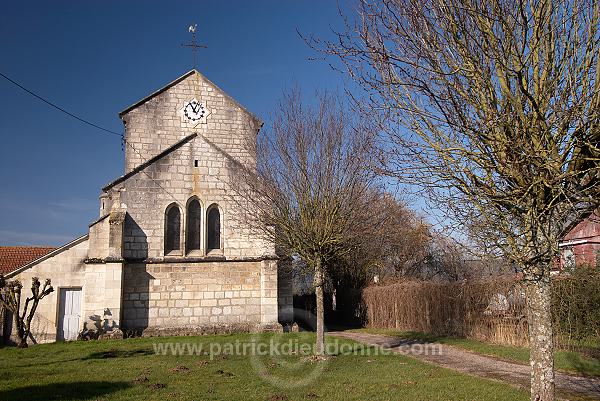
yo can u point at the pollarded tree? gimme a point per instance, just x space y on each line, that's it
493 108
312 188
10 299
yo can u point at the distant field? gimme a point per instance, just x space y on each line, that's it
131 370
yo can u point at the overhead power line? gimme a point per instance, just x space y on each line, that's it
83 120
58 107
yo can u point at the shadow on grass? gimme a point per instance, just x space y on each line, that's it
421 337
113 353
63 391
405 337
95 355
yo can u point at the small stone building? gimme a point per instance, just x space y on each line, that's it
173 251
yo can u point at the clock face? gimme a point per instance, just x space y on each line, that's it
193 113
194 110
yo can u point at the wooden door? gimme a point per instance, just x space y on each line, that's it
69 314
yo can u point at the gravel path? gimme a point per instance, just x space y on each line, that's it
475 364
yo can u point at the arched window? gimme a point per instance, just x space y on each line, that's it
213 228
172 229
192 231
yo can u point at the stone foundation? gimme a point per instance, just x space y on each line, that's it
208 329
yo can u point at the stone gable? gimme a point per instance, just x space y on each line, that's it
156 123
198 169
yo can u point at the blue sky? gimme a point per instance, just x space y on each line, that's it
96 58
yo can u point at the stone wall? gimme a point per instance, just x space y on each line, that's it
66 270
101 299
167 296
200 168
99 238
156 124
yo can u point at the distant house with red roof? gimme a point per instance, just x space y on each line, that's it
581 246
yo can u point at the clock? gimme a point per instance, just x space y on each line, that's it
194 110
193 113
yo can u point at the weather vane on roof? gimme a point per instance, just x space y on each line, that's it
194 46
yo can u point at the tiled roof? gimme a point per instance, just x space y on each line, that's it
13 257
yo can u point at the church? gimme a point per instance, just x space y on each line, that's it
172 252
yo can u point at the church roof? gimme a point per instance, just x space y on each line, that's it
13 257
178 80
150 161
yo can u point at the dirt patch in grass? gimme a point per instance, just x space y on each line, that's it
141 379
179 369
224 373
317 358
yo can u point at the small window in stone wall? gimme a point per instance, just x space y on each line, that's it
194 218
173 229
213 228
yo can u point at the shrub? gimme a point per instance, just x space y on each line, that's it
490 310
576 306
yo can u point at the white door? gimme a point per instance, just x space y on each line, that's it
69 309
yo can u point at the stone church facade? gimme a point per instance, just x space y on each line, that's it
173 251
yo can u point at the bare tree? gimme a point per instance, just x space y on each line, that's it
446 260
493 108
403 240
10 299
312 187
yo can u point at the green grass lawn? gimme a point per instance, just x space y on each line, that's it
131 370
572 362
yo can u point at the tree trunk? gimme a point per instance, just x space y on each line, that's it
21 337
318 281
540 338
